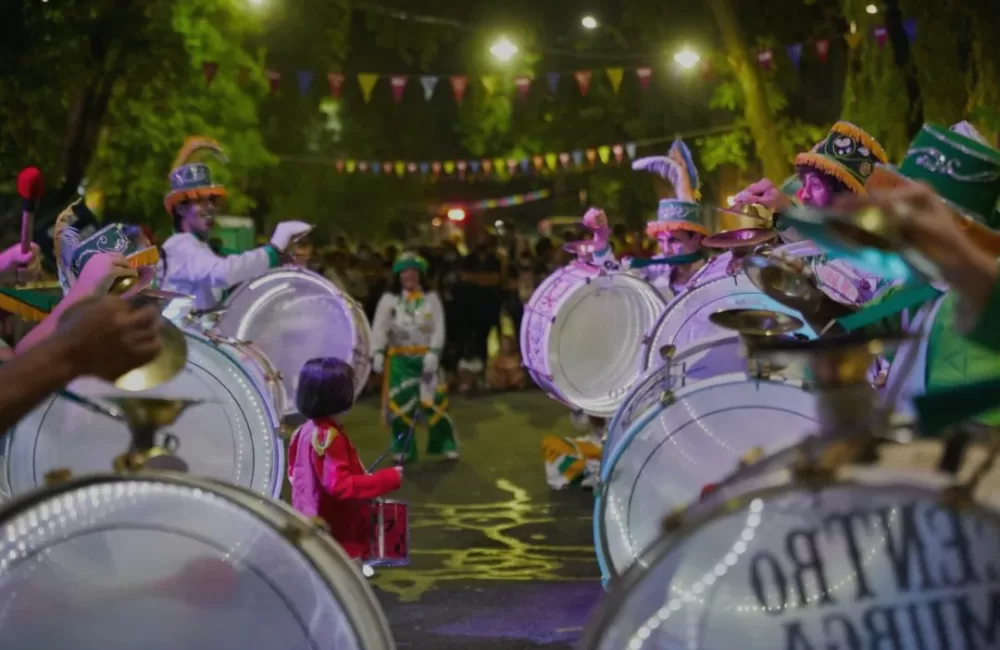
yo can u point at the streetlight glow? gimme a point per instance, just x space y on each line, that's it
687 58
589 22
503 49
872 9
456 214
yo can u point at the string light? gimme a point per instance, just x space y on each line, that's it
687 58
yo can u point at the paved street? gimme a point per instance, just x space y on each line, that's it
498 561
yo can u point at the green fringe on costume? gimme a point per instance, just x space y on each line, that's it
404 373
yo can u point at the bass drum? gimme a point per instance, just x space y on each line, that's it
866 555
264 374
293 315
678 447
582 332
686 319
169 562
231 437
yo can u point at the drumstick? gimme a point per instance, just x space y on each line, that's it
406 443
31 186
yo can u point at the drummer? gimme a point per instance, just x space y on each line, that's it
190 265
678 229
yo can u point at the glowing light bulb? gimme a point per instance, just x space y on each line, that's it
589 22
687 58
503 49
872 9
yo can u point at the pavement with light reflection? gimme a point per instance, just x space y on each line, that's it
498 560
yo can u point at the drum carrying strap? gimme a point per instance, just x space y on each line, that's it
898 302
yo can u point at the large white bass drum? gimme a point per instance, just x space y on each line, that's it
686 318
862 556
264 374
230 437
169 562
294 315
582 332
679 447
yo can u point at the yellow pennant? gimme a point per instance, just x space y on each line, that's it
351 166
367 83
449 166
490 84
400 168
615 77
551 159
605 153
853 40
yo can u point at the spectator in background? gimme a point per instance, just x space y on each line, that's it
479 298
349 268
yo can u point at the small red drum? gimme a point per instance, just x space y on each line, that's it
390 540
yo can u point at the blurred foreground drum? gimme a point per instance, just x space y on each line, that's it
680 445
230 437
686 319
263 373
582 333
864 556
294 315
167 562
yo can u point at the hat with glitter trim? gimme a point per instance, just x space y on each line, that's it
681 212
847 154
193 180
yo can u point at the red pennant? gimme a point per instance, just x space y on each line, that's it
583 80
523 85
436 167
619 152
339 165
765 58
591 155
273 80
823 49
336 82
209 68
387 167
458 85
539 162
645 76
487 165
398 83
881 35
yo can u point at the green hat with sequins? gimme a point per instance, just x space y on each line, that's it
409 260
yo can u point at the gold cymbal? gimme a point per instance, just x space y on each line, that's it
167 364
128 286
741 238
756 322
151 412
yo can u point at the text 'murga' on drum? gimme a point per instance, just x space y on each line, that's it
875 560
175 563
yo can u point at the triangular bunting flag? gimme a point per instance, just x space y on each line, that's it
591 156
583 80
398 84
305 78
209 68
553 78
615 77
400 168
511 165
429 83
853 40
387 167
449 167
823 49
605 153
577 158
564 159
539 162
363 166
339 165
425 168
630 149
474 166
336 82
458 85
910 27
411 167
498 164
619 152
487 165
881 35
461 165
375 167
367 82
490 84
523 85
766 59
351 166
551 160
273 80
795 54
436 167
645 76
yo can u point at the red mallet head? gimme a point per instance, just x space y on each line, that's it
30 184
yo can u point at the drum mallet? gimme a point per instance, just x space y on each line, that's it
31 186
406 443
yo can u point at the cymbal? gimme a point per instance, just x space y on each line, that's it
756 322
167 364
739 238
129 286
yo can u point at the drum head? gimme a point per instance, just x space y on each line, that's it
293 316
686 318
230 437
114 563
672 452
718 355
875 557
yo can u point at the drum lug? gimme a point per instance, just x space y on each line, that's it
667 352
667 398
674 520
57 476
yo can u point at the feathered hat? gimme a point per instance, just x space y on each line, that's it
682 212
193 180
846 154
73 248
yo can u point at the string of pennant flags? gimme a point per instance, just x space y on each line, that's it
523 84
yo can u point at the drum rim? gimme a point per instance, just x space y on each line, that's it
607 405
309 546
618 591
261 359
608 572
332 289
275 481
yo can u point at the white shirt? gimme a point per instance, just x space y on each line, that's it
193 269
399 325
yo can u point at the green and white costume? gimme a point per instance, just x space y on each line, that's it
408 335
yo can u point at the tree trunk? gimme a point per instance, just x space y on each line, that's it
760 118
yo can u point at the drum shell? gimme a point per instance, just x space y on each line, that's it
230 438
293 315
675 449
390 543
106 505
582 332
264 374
